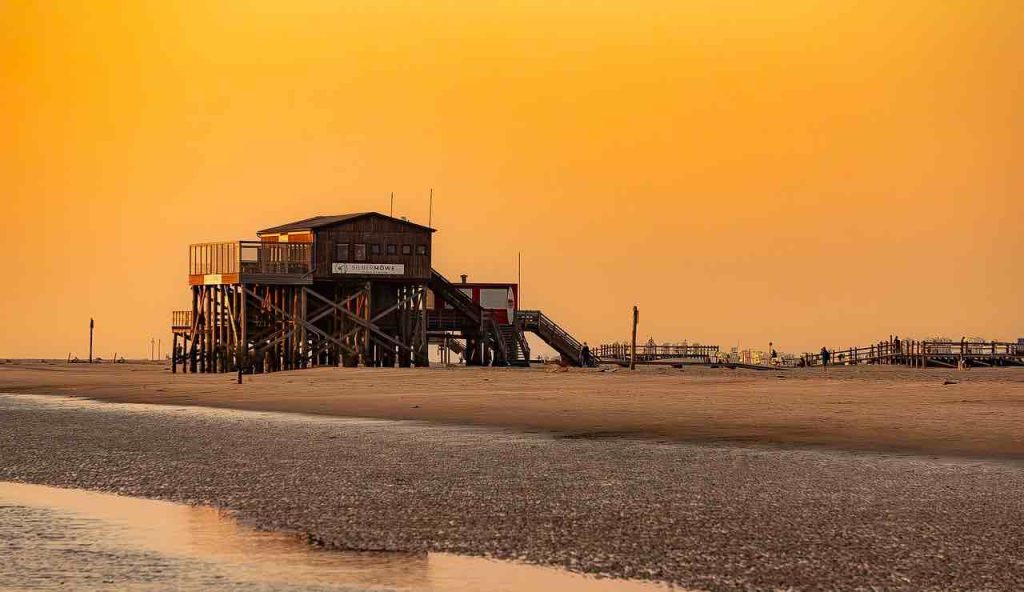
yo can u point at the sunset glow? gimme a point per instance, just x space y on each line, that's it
803 172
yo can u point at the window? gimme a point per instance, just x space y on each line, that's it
341 252
375 249
360 252
421 249
495 298
407 249
392 249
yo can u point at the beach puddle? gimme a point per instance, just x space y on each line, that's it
53 538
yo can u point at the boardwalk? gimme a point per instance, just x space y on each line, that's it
911 353
620 352
922 354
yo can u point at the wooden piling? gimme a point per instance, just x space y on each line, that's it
632 355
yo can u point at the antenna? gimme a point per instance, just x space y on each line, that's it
392 214
430 208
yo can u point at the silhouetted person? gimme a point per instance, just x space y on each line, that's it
826 357
896 344
585 355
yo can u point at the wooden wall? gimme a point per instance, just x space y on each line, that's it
368 231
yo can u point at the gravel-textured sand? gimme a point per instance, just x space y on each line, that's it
979 414
714 517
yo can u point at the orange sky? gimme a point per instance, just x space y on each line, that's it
808 172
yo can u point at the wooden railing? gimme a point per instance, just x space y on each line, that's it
251 258
450 293
622 351
181 319
558 338
920 353
446 320
498 338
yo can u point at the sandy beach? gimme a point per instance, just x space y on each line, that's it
978 413
702 516
710 479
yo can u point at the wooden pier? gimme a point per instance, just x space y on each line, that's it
910 353
925 354
618 353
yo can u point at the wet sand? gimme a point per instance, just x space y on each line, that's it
851 408
72 539
703 516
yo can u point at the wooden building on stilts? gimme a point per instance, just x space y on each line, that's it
346 290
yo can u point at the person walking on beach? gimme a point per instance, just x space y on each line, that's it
826 356
585 356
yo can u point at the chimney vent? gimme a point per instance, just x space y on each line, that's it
464 278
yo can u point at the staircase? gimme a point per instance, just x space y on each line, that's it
468 316
456 346
517 351
507 341
558 338
493 334
451 294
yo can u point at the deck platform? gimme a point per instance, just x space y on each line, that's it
250 262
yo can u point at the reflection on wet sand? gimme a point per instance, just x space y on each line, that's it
66 538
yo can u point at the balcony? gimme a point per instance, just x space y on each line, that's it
181 320
250 262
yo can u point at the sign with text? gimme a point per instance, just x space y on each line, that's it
368 268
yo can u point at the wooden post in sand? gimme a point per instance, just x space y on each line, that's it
92 324
243 330
632 351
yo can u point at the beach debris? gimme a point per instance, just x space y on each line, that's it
951 382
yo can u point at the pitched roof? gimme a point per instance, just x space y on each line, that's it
321 221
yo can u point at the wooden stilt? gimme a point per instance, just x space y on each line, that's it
243 329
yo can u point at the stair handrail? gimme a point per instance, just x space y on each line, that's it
495 330
558 337
458 298
560 332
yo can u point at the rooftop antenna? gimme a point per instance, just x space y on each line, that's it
519 280
430 208
392 204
